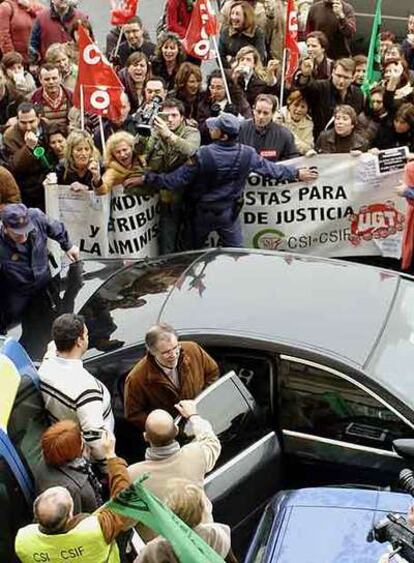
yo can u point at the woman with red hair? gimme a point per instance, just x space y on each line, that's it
63 464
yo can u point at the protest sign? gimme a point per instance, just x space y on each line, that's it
115 225
350 210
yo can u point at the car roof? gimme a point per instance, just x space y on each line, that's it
335 307
330 523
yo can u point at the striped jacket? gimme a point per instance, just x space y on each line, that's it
71 392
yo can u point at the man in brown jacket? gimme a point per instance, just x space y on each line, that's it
9 190
169 372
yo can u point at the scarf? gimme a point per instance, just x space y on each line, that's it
54 104
82 465
158 453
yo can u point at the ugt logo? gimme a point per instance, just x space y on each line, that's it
375 221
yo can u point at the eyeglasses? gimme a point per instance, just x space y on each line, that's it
216 87
171 352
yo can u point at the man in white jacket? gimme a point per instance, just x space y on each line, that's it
69 390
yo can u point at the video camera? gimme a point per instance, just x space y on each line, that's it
394 528
144 117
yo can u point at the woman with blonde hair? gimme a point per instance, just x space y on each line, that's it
59 55
240 32
123 165
186 500
81 164
251 76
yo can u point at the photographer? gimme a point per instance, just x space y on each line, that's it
19 141
170 145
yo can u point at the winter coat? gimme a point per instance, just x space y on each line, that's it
329 142
49 28
9 190
302 132
274 142
231 41
178 17
323 97
148 388
16 25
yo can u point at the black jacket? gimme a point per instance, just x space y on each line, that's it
323 97
274 143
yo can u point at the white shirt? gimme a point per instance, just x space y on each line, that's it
71 392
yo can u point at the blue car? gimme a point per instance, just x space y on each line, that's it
323 525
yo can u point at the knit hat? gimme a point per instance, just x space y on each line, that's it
408 178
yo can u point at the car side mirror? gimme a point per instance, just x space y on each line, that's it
405 448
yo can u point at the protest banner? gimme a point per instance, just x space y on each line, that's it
115 225
351 210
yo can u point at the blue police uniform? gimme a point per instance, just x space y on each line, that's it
217 174
24 268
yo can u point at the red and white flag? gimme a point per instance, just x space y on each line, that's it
291 40
203 25
101 87
122 11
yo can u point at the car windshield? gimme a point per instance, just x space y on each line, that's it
393 358
123 308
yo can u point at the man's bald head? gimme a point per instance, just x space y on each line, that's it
160 429
52 509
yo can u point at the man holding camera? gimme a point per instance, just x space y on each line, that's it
172 142
217 174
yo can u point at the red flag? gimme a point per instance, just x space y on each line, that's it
101 86
291 40
122 11
203 25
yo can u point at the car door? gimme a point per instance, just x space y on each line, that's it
334 428
249 469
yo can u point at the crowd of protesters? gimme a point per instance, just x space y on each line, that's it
323 108
171 109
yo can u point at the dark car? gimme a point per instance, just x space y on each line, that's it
328 525
322 354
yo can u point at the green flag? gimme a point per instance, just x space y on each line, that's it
139 504
373 73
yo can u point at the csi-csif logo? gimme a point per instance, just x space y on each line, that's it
268 239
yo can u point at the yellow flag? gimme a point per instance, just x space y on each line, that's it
9 384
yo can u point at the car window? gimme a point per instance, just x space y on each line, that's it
233 414
318 402
253 370
129 302
27 422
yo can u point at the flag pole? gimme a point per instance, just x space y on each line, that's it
223 74
102 133
82 108
282 79
118 43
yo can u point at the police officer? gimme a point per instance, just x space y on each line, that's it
218 174
24 260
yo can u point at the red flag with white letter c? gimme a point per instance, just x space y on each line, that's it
203 25
101 87
291 40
